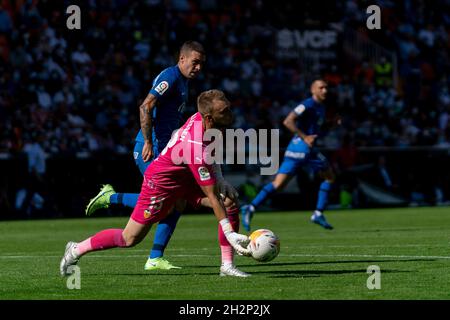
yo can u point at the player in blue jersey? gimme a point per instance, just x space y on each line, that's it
160 115
305 121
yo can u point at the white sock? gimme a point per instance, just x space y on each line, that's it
227 264
317 213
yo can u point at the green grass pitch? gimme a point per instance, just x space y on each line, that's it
410 246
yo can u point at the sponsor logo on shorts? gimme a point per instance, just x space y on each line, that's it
204 174
295 155
150 184
162 87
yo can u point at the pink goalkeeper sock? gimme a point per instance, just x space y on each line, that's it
84 246
109 238
226 249
227 254
233 216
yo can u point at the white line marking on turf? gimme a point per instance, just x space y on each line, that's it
208 255
369 256
285 247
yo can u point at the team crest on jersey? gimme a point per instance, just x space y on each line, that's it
204 174
299 109
162 87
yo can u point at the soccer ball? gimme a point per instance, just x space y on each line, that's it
264 245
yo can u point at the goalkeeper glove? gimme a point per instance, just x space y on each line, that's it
238 241
225 189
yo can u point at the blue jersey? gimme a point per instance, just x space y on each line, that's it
170 88
311 116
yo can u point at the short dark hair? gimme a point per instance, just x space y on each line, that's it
206 98
317 80
189 46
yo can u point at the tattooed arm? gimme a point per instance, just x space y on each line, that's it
145 114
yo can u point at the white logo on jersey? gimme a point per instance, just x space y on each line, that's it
299 109
204 174
162 87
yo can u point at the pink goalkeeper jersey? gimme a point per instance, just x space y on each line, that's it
182 162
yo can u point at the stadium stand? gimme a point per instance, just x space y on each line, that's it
80 89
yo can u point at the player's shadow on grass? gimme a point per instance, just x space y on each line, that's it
315 273
369 261
331 262
390 230
305 273
170 273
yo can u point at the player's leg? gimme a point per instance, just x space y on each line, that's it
227 267
130 199
287 170
325 187
153 205
280 181
247 211
108 196
133 233
162 237
322 198
296 154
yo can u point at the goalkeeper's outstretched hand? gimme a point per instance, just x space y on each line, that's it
239 242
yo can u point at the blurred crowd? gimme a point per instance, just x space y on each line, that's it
416 111
81 88
77 91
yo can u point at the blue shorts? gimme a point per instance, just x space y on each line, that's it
298 155
137 154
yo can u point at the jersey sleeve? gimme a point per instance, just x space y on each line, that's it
299 109
304 105
163 83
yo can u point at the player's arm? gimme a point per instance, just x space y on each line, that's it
145 114
238 241
161 85
214 202
289 123
225 189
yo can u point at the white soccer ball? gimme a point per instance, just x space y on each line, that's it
264 245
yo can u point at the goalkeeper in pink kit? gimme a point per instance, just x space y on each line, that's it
180 172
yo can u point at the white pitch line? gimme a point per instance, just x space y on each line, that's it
45 253
209 255
369 256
